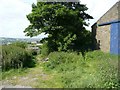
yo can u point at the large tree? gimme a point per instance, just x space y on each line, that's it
64 22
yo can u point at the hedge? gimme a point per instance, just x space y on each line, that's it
15 57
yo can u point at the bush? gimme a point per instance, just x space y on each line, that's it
57 59
15 57
44 49
33 52
20 44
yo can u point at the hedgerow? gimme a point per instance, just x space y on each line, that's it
15 57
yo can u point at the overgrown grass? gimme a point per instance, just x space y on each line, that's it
96 70
35 77
14 72
70 70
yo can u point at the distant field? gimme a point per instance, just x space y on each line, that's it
68 70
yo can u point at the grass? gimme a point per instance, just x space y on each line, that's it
34 77
97 70
69 70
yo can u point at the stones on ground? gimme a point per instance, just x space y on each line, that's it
14 77
45 60
24 78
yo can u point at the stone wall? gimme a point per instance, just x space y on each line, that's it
119 10
103 38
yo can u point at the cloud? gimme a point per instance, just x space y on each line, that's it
98 8
13 17
30 2
13 13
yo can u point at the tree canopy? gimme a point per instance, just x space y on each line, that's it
64 22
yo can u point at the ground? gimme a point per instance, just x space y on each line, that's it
28 78
98 69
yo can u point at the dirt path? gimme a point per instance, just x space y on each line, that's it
34 77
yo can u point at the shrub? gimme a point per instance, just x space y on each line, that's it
33 52
20 44
44 49
63 60
15 57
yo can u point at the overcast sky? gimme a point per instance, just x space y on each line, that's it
13 13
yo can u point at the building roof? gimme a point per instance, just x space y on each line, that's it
109 16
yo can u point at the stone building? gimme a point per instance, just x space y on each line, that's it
106 31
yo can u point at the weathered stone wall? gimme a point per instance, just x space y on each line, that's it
103 38
119 10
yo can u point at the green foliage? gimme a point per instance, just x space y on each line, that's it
34 52
15 57
97 70
44 49
20 44
56 59
14 72
69 70
64 22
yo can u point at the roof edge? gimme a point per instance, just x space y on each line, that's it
107 11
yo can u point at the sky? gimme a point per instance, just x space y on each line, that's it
13 13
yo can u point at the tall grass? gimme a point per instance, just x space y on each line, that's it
96 70
71 70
